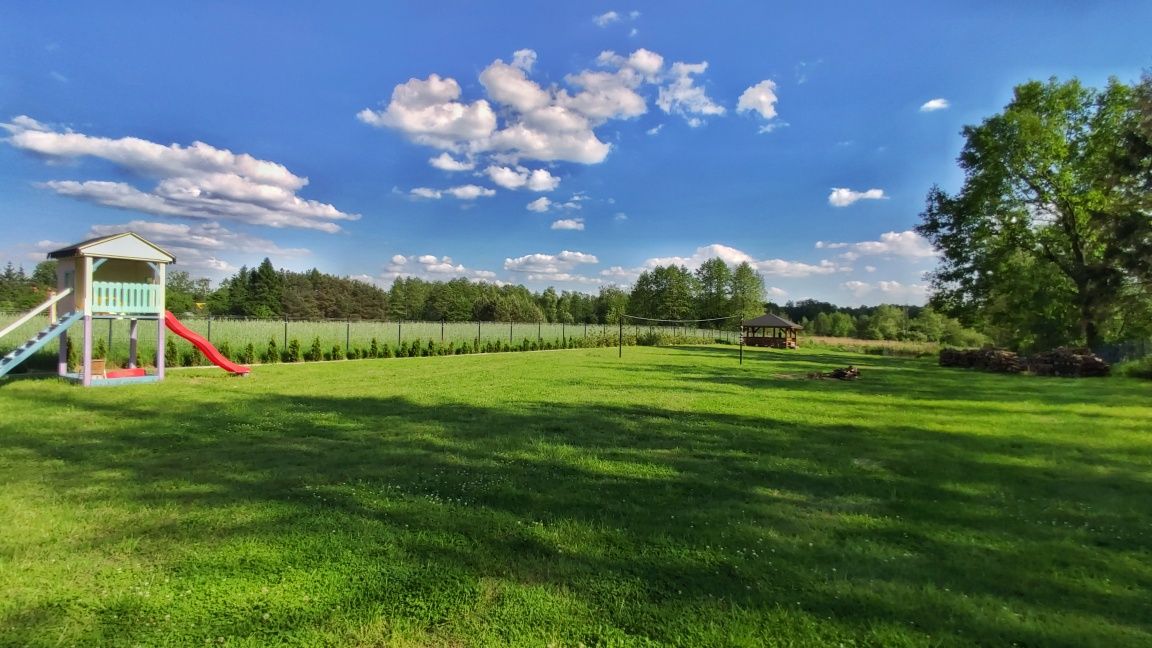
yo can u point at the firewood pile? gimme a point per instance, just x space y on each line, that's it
1068 363
1057 362
994 360
846 373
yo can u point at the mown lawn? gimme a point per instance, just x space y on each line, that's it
669 497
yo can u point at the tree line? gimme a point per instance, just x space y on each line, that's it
714 291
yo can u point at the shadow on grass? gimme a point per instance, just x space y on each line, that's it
639 522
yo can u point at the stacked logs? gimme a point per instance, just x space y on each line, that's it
1068 363
994 360
1058 362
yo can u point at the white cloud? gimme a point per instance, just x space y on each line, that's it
528 121
894 244
935 104
549 264
869 268
446 162
463 192
768 128
197 181
425 192
199 247
428 113
470 192
510 86
655 130
760 98
521 177
621 216
524 59
778 293
842 197
683 97
889 290
569 224
433 267
540 205
606 18
733 257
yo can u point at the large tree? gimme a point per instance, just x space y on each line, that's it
1035 241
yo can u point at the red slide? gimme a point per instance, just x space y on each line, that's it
205 346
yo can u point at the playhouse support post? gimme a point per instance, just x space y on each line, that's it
133 338
62 357
160 348
86 367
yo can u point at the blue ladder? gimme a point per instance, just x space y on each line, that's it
24 351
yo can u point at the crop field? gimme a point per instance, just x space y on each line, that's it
234 334
667 497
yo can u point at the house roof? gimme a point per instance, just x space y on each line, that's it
126 245
771 321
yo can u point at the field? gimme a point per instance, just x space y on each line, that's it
233 334
668 497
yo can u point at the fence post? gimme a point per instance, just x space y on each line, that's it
209 328
441 330
109 351
539 332
563 337
285 333
620 322
398 339
509 331
347 336
477 334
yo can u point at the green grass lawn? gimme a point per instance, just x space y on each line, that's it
669 497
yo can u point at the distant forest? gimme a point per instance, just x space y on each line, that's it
714 291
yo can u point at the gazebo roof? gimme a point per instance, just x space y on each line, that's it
126 245
771 321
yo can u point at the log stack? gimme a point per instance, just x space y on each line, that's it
994 360
1068 363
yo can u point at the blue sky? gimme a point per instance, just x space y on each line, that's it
565 144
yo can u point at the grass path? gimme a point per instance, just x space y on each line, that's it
669 497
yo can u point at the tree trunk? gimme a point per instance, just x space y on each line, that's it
1088 325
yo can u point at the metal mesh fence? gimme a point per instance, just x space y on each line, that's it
235 334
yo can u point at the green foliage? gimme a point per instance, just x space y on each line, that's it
314 352
249 354
294 352
271 352
1136 368
171 354
1048 240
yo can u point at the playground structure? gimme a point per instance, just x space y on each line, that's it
120 276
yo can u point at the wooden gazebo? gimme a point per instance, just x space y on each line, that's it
770 330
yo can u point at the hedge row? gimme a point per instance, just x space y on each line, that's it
273 352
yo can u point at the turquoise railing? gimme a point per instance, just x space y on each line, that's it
117 297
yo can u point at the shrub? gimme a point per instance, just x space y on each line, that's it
315 353
1137 368
225 349
171 355
374 349
337 353
271 353
294 352
248 356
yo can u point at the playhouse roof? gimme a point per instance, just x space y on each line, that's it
126 245
771 321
